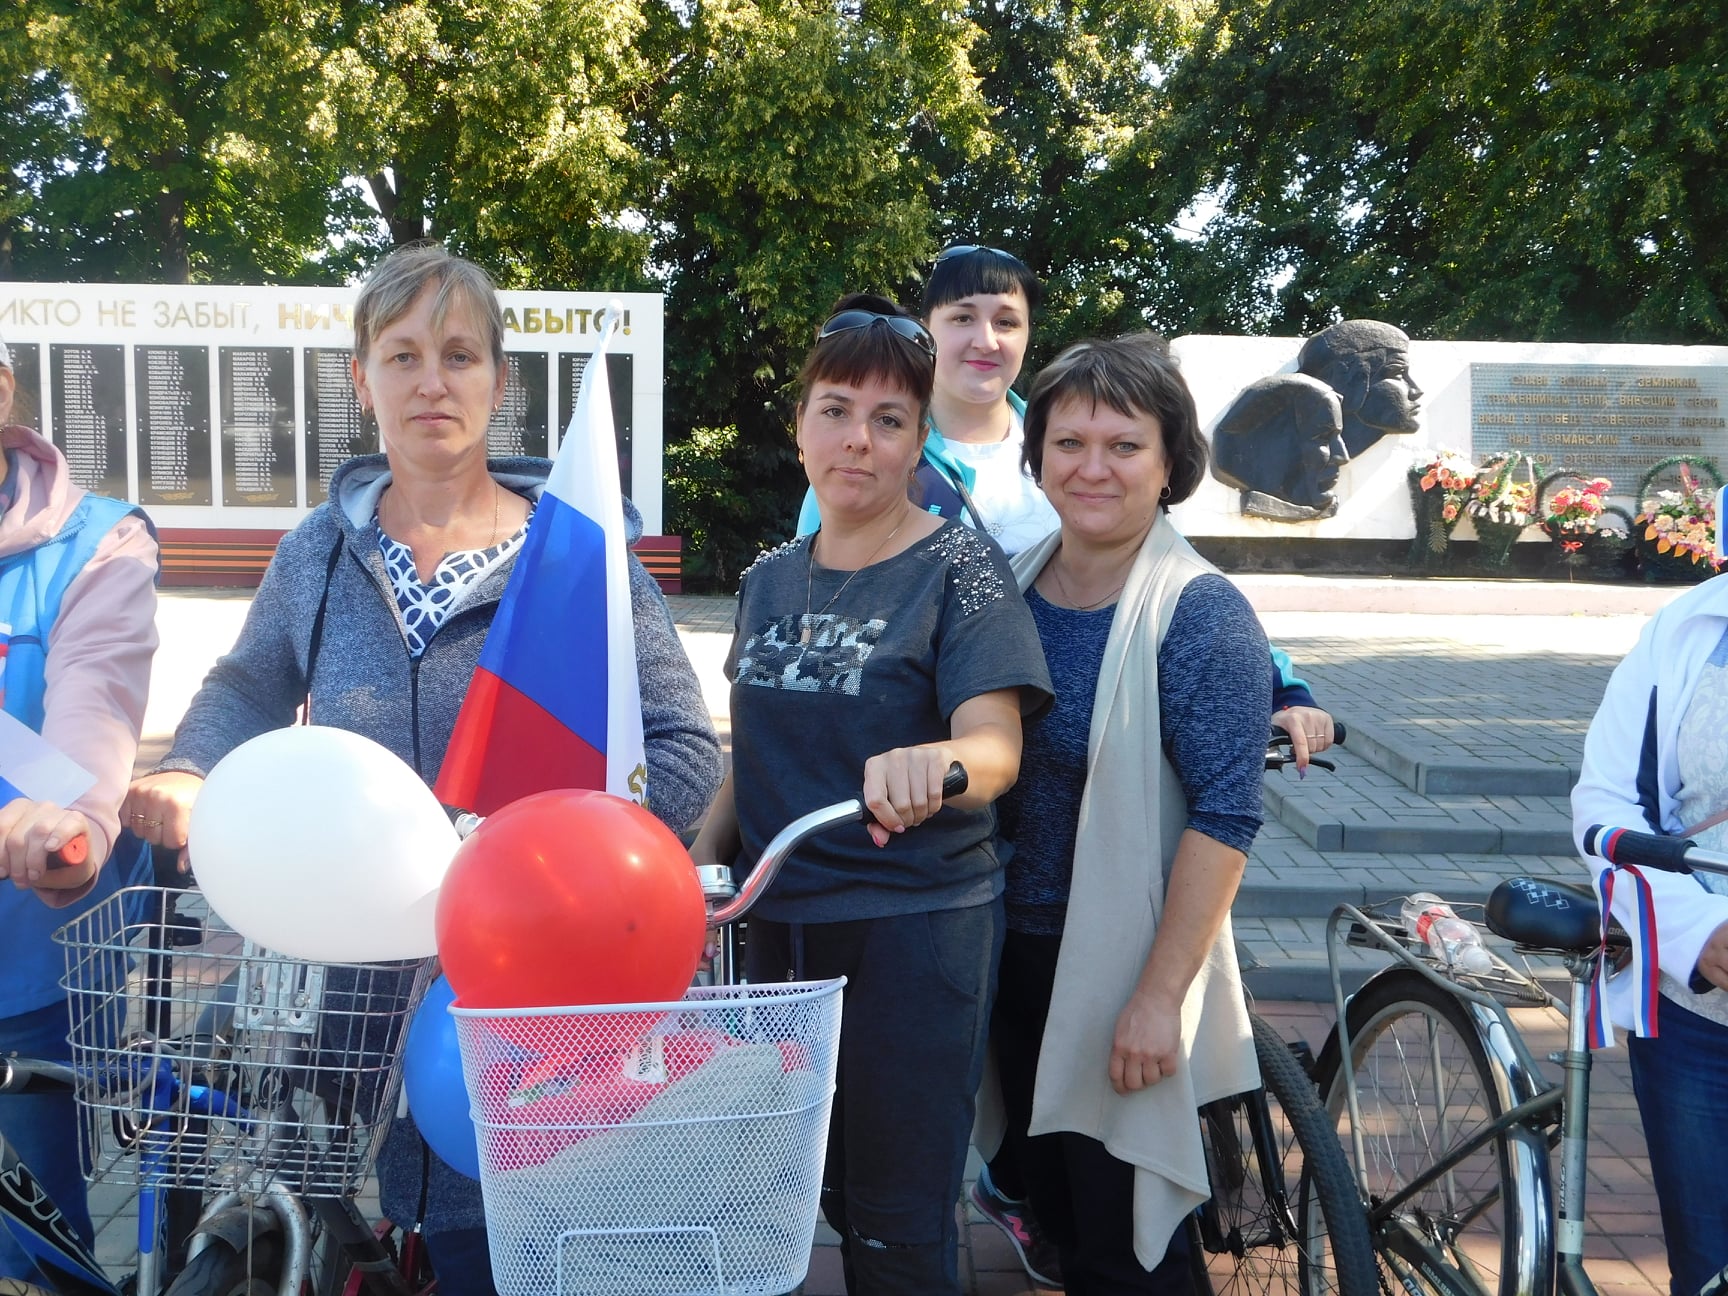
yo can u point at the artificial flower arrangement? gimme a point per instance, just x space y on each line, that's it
1575 510
1440 483
1451 474
1680 523
1500 497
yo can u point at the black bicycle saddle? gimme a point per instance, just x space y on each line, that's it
1541 913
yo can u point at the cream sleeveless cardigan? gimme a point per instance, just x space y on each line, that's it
1133 798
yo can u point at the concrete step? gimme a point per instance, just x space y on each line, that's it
1365 808
1429 773
1288 878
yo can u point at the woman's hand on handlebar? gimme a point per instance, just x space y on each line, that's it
1310 731
903 787
158 809
29 832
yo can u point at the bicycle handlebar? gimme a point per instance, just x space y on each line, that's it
1624 846
717 880
29 1075
70 855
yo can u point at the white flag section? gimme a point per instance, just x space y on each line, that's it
33 768
585 476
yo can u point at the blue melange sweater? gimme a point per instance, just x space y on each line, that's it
1213 689
367 682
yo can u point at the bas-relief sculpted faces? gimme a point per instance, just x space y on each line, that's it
1285 438
1281 442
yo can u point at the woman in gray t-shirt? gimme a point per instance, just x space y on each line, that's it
876 652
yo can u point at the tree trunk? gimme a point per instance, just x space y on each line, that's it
176 261
403 218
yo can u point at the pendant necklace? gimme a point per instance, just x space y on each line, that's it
1083 607
810 574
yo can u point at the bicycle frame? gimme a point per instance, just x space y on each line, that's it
43 1233
1550 1256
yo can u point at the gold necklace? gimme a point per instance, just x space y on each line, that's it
1075 604
810 575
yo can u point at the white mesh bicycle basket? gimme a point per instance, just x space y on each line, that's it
655 1149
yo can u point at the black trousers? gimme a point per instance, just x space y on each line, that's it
1083 1196
917 998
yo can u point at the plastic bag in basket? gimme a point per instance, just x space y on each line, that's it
536 1107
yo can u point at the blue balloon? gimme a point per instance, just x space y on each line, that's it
432 1075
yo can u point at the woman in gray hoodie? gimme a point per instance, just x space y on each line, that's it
374 609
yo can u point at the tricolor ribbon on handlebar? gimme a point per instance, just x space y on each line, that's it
1645 969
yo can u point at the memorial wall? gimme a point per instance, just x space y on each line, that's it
226 410
1600 410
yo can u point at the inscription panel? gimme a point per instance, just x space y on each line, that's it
1615 421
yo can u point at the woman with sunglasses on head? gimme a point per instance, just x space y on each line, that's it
875 652
978 307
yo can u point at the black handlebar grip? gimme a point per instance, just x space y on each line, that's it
1339 733
1642 850
955 781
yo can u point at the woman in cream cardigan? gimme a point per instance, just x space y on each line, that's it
1120 1009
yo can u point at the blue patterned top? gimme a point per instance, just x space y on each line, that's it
424 607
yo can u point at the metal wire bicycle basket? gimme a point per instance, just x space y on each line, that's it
207 1063
663 1149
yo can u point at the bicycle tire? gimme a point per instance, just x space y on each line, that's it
220 1270
1424 1085
1309 1234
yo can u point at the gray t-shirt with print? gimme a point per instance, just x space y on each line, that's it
829 668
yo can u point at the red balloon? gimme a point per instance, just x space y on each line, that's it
570 897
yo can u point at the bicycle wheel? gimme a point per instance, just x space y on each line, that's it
1424 1087
1284 1214
219 1270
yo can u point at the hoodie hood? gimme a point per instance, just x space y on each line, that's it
46 495
357 485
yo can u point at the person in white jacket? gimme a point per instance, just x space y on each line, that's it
1656 760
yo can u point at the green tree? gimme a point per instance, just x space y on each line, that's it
787 132
1467 168
1076 90
198 133
503 127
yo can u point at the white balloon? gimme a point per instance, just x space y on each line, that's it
320 844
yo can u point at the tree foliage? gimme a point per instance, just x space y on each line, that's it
1472 168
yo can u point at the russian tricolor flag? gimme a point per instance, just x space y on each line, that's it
555 701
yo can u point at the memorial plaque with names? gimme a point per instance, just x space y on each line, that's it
26 383
173 400
620 373
257 425
336 430
1614 421
519 426
89 386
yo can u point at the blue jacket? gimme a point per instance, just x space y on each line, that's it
367 682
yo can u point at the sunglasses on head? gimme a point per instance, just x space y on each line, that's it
902 326
967 249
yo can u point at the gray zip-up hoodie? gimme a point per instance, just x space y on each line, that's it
367 682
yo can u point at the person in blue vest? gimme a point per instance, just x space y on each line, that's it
78 609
